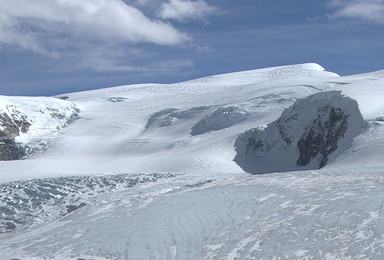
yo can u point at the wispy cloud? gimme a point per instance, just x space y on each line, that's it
102 35
372 10
184 9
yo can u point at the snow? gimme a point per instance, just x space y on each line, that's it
45 115
210 208
112 136
226 218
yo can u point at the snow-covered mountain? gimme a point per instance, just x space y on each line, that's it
26 123
162 171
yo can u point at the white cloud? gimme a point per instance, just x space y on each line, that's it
372 10
102 35
34 24
184 9
12 33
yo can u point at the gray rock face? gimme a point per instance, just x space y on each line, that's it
12 127
16 120
309 134
170 116
210 119
220 118
10 150
323 136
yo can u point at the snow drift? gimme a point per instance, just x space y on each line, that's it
309 134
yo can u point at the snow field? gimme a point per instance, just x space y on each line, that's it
211 208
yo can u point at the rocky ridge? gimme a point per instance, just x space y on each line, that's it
25 119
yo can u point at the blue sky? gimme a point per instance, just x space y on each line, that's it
49 47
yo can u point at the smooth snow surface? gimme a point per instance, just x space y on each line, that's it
201 205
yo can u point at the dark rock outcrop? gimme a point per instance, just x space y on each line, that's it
10 150
16 120
322 137
220 118
171 116
309 134
12 127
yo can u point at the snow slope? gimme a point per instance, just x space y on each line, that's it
131 128
311 215
208 208
186 127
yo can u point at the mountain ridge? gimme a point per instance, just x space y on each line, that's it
113 121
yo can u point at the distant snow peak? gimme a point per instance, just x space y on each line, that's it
309 134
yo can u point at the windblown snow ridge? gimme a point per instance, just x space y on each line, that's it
308 135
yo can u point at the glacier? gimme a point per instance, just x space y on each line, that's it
152 171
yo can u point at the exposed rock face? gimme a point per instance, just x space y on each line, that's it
29 119
210 119
323 136
220 118
309 134
10 150
171 116
11 128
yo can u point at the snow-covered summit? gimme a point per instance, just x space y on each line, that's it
267 74
182 127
